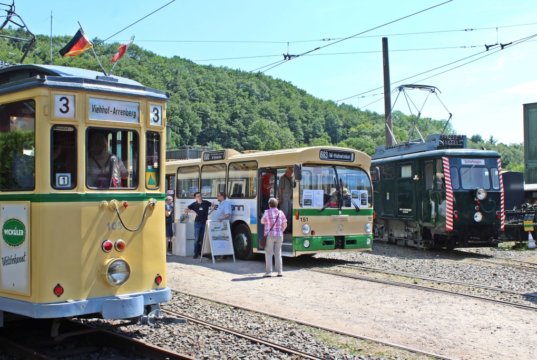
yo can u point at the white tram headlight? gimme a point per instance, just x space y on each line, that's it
481 194
368 228
306 243
478 217
117 272
305 229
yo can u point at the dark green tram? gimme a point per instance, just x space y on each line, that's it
438 193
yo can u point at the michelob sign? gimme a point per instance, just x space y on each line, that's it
15 248
14 232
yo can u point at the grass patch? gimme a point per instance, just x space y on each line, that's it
358 347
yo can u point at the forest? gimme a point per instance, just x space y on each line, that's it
226 108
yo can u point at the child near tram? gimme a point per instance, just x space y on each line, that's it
275 223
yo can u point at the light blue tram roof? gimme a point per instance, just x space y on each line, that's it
19 77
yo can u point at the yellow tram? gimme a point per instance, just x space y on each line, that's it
81 194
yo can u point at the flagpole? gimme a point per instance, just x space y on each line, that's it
94 53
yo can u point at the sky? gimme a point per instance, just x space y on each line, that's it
483 90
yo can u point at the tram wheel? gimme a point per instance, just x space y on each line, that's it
242 242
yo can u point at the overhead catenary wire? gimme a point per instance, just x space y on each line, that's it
137 21
347 52
483 54
326 39
273 65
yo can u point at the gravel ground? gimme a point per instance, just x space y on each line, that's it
445 265
204 343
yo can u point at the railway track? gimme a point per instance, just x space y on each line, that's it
304 323
428 284
31 339
470 257
258 340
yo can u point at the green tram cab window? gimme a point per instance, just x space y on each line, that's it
17 146
112 159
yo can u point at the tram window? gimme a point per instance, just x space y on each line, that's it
475 177
495 178
188 179
455 183
152 160
17 146
406 171
356 187
213 180
63 160
242 180
320 188
112 159
429 176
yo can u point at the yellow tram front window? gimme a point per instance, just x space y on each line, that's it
63 160
17 146
112 158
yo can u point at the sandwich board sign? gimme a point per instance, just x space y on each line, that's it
217 239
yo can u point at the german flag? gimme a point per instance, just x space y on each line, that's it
78 44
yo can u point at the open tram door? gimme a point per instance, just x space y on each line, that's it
267 183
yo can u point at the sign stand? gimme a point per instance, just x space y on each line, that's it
217 239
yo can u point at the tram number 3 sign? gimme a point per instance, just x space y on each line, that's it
155 115
64 106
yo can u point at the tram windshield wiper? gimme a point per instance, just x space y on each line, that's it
356 207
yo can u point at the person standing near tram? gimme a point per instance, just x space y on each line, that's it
169 222
223 209
201 208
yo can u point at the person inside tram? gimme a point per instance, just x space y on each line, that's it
105 170
285 195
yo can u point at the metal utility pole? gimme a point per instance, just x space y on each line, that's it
387 93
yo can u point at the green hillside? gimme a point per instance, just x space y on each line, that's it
227 108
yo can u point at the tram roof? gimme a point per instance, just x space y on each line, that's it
283 157
437 154
20 77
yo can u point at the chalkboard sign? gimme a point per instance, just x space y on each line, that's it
217 240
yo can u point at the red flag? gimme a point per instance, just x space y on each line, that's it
78 44
121 50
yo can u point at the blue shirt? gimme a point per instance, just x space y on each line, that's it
224 208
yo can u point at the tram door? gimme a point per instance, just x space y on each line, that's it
428 203
267 186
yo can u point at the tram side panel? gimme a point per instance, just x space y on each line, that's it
71 254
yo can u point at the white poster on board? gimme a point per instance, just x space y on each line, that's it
15 248
217 240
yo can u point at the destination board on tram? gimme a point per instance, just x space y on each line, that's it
336 155
214 155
